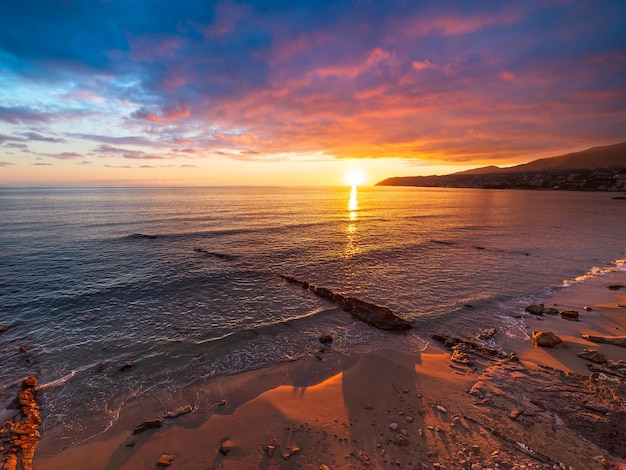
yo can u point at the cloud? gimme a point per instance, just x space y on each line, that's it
39 137
42 164
126 153
64 155
128 140
23 115
10 138
3 164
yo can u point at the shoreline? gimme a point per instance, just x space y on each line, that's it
337 411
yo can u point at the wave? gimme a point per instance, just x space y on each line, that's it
596 271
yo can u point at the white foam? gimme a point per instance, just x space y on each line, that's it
615 266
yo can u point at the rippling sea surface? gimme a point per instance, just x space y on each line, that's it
200 294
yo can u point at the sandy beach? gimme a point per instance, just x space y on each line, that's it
399 409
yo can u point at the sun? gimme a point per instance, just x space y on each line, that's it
354 177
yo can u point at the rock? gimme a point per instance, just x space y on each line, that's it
367 406
372 314
401 440
4 328
409 419
569 314
126 366
180 411
441 409
545 339
270 449
291 453
394 427
30 382
165 460
550 311
141 235
486 334
100 367
514 414
587 308
460 357
224 450
615 286
593 356
23 349
616 340
326 339
535 309
149 424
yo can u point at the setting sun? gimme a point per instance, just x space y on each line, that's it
354 178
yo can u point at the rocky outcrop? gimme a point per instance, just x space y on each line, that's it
21 435
149 424
545 339
535 309
569 314
616 340
614 286
372 314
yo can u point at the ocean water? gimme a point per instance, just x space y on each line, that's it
200 294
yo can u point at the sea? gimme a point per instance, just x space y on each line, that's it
185 283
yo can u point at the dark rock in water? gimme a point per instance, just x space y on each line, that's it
550 311
126 366
149 424
614 286
535 309
587 308
23 349
453 342
4 328
100 367
372 314
593 356
141 235
545 339
326 339
569 314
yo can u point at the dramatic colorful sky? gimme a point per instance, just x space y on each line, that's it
285 92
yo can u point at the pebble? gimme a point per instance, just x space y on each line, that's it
394 427
409 419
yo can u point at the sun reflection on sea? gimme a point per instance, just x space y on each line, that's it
352 248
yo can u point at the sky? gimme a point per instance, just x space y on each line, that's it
194 92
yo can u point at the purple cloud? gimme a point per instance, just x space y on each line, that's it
36 136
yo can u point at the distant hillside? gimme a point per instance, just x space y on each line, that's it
598 168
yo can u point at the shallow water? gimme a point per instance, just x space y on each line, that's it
77 290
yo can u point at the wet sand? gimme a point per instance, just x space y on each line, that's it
398 409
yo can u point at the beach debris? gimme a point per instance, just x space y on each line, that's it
569 314
126 367
486 334
593 356
545 339
374 315
614 286
326 339
270 449
178 412
550 311
587 308
165 460
535 309
293 451
615 340
149 424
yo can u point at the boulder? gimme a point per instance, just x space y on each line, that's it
569 314
545 339
326 339
550 311
587 308
614 286
30 382
535 309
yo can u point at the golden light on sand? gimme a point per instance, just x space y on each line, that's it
354 177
